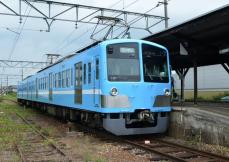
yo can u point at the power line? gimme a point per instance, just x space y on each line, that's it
72 32
19 33
127 6
139 18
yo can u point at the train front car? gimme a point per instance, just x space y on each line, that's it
136 91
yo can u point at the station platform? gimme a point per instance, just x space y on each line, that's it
217 108
202 122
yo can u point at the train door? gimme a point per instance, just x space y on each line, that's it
50 87
78 83
36 88
96 87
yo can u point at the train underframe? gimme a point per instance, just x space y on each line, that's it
139 122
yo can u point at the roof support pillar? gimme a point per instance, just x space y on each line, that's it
226 67
195 81
182 73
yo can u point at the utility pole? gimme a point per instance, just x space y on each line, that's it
166 13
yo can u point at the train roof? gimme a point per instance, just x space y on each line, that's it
71 55
90 46
27 77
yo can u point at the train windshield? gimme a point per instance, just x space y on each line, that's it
123 62
154 64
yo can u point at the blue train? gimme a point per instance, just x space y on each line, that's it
122 85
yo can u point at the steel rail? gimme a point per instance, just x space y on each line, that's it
145 147
204 153
195 152
42 135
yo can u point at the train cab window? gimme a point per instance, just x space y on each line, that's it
123 62
89 73
97 69
155 67
84 73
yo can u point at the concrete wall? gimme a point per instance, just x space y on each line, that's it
199 126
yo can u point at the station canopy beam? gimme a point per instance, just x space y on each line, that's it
226 66
47 11
201 41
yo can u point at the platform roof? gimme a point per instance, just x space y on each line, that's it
205 39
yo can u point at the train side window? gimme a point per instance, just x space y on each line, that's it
97 69
42 83
63 79
89 73
71 77
59 80
53 81
84 73
78 74
46 82
56 80
67 78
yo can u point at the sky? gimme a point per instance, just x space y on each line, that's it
32 45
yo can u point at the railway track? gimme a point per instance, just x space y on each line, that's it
161 150
174 152
37 147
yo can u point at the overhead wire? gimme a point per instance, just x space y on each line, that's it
141 17
127 6
17 37
72 32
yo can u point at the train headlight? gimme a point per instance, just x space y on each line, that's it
114 92
167 92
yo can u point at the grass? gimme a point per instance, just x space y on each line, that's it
12 129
